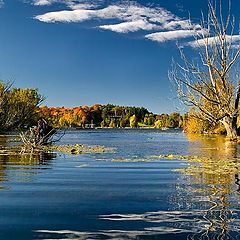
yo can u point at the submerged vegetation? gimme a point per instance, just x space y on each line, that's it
75 149
78 149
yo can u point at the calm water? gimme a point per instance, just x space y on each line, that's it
128 194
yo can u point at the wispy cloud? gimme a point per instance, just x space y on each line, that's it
1 3
78 15
234 40
121 12
125 16
130 26
170 35
182 24
70 3
42 2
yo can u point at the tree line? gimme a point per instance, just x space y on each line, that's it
108 115
19 108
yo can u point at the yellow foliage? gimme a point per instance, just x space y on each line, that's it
194 125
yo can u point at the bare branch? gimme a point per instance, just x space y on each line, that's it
208 85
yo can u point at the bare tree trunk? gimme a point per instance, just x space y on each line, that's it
209 84
236 106
230 127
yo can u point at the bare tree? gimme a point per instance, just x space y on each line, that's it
211 84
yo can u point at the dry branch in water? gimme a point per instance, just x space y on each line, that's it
39 135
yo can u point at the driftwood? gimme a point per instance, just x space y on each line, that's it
40 135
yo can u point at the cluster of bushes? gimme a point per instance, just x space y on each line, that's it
108 116
194 124
17 106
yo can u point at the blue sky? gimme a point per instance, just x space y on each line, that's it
85 52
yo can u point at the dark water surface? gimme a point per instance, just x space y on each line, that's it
129 194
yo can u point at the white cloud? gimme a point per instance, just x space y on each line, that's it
42 2
183 24
127 17
170 35
130 26
126 12
1 3
78 15
132 16
235 40
73 4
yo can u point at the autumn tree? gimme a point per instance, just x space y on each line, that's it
149 119
211 84
17 106
105 116
133 121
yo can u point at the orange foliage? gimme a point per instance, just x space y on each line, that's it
61 116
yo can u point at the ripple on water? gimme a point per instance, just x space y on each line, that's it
129 194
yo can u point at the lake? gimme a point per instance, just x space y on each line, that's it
132 193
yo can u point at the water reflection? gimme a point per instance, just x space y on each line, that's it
175 224
213 185
18 165
218 164
147 233
214 146
204 204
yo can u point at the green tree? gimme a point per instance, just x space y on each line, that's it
123 123
17 106
173 120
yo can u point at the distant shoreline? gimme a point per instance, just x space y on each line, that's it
138 128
